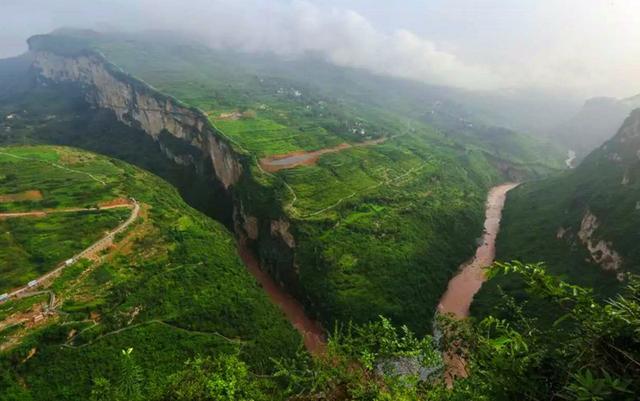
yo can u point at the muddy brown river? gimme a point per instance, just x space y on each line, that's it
461 289
464 286
311 331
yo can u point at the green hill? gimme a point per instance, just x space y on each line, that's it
172 288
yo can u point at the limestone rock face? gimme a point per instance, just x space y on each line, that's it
137 104
281 228
601 251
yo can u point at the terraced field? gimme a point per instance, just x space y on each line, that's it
72 179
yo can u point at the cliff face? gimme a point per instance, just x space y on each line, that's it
137 105
185 136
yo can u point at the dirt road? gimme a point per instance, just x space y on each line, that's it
41 213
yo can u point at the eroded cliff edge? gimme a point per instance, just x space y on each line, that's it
186 137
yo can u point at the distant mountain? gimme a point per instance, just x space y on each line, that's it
595 122
520 109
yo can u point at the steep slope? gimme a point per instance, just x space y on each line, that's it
583 223
172 287
365 231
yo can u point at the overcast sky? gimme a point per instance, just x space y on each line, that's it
590 47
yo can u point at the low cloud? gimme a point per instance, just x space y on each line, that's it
588 48
343 37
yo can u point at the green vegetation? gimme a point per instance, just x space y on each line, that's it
399 242
174 288
72 180
264 137
591 353
352 265
378 229
31 246
172 314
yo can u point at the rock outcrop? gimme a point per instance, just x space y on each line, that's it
601 251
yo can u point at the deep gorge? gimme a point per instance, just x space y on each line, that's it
179 144
407 249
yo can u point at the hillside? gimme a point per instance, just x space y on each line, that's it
583 224
171 285
377 227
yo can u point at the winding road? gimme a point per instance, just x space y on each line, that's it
97 246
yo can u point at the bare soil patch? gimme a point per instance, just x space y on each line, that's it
276 163
233 116
32 195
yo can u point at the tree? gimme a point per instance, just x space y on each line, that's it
131 378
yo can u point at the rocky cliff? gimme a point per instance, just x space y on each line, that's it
136 104
601 251
186 137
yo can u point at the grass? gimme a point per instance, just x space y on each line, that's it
264 137
357 170
73 180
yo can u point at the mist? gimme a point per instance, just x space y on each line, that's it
586 48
